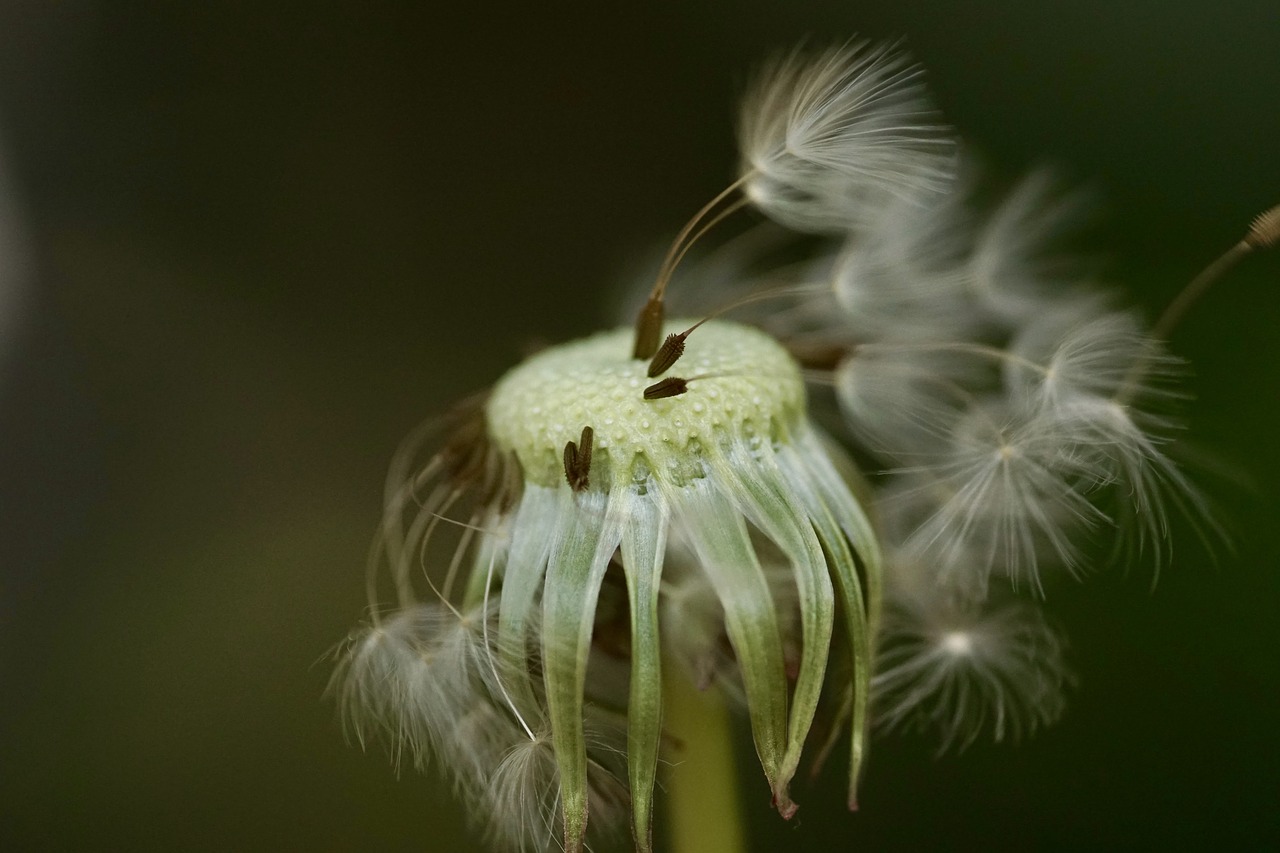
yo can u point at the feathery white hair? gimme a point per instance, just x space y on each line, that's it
962 670
825 137
1009 488
413 680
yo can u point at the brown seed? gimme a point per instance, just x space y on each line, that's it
668 354
672 386
577 461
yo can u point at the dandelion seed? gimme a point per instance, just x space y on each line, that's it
902 277
1086 353
901 405
412 679
1013 274
1010 490
825 138
962 671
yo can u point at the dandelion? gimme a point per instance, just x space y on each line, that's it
960 669
732 469
647 513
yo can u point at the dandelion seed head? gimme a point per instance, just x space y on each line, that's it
610 527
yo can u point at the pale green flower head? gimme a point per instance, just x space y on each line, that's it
749 389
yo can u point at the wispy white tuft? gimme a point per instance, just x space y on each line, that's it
1107 387
825 136
1066 354
520 806
1146 480
523 798
424 682
414 680
1008 457
961 671
1016 274
902 276
1010 490
901 404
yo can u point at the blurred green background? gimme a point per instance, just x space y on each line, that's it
267 239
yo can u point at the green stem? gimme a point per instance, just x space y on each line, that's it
702 786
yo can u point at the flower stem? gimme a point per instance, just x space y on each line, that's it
702 787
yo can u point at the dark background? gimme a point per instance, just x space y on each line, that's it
267 239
